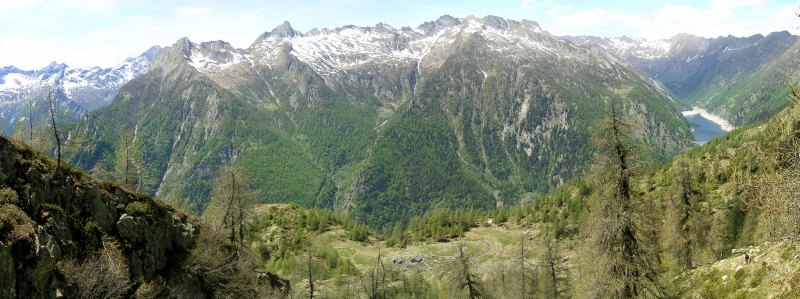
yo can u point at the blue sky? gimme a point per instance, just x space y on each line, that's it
84 33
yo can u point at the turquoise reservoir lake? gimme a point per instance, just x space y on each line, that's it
703 128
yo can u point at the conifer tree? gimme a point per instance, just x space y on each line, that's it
684 211
463 276
123 167
33 131
775 191
309 273
616 261
230 204
555 271
525 270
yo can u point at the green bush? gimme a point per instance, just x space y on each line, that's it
9 196
55 209
14 224
759 275
139 208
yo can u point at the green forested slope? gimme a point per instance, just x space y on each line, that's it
482 130
757 97
477 123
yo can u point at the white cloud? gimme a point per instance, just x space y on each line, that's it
715 18
789 10
731 4
687 18
18 4
26 53
600 17
193 11
552 7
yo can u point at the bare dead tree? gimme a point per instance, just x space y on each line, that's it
102 275
30 118
52 108
376 286
310 277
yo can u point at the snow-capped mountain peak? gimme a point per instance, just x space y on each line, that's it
624 46
82 89
337 51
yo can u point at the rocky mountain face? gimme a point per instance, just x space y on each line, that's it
47 220
730 76
79 90
381 122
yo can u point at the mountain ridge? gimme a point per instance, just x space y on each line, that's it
723 75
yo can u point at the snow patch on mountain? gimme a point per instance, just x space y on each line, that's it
206 64
18 81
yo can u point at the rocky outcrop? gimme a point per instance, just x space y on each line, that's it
49 215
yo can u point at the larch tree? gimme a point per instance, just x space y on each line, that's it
683 212
775 191
309 271
525 271
228 211
616 261
464 278
24 129
555 271
31 104
123 164
499 281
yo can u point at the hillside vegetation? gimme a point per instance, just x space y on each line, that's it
702 212
63 233
695 216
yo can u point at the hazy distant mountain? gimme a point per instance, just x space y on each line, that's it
385 123
725 75
79 89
